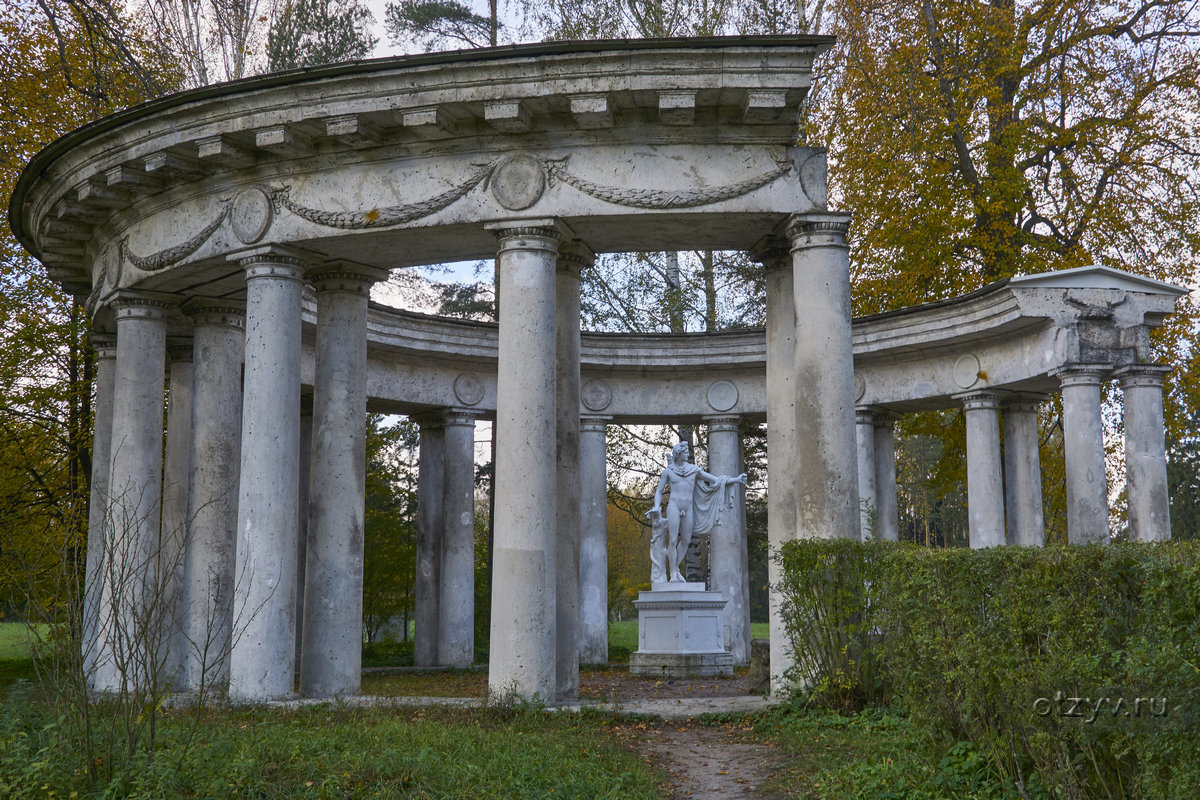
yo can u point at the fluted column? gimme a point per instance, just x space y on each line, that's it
573 258
456 609
827 474
427 593
985 476
106 363
130 626
593 541
728 557
1023 473
868 500
262 659
218 345
887 515
331 649
177 468
775 256
1145 452
1083 446
523 628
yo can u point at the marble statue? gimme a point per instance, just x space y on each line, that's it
694 503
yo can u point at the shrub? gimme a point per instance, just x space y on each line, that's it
992 647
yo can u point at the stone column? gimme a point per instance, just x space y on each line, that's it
593 541
887 514
456 608
331 649
177 469
106 363
730 563
868 499
523 653
428 591
985 476
306 430
218 344
1023 473
572 259
1145 453
774 254
129 625
827 477
1083 446
262 659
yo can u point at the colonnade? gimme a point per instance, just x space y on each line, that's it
1004 476
244 474
207 592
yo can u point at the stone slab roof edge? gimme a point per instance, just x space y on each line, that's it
48 154
1097 277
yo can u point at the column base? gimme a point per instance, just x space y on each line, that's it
680 635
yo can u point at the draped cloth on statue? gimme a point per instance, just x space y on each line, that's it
707 501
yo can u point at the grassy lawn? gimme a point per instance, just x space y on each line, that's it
874 755
328 752
14 641
15 661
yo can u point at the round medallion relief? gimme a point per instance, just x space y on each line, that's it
518 182
966 371
860 386
596 395
722 395
468 388
250 215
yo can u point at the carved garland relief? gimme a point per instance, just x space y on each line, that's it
516 182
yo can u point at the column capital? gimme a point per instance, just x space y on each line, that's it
574 257
141 305
272 261
981 400
344 276
428 420
452 417
818 229
1024 401
885 418
1082 374
529 234
594 424
215 311
104 344
723 422
179 348
864 415
1147 375
773 252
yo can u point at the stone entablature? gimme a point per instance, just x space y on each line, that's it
1015 333
395 162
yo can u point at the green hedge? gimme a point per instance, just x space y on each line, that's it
991 646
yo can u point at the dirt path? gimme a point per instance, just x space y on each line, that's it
706 762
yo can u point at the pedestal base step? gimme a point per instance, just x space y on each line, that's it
681 665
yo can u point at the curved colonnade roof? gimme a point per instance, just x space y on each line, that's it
630 145
1010 336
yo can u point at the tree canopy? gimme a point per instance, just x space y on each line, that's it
306 33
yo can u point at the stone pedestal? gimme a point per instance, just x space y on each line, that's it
680 633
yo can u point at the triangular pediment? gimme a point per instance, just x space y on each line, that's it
1096 277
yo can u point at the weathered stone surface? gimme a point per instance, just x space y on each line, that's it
760 666
681 634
